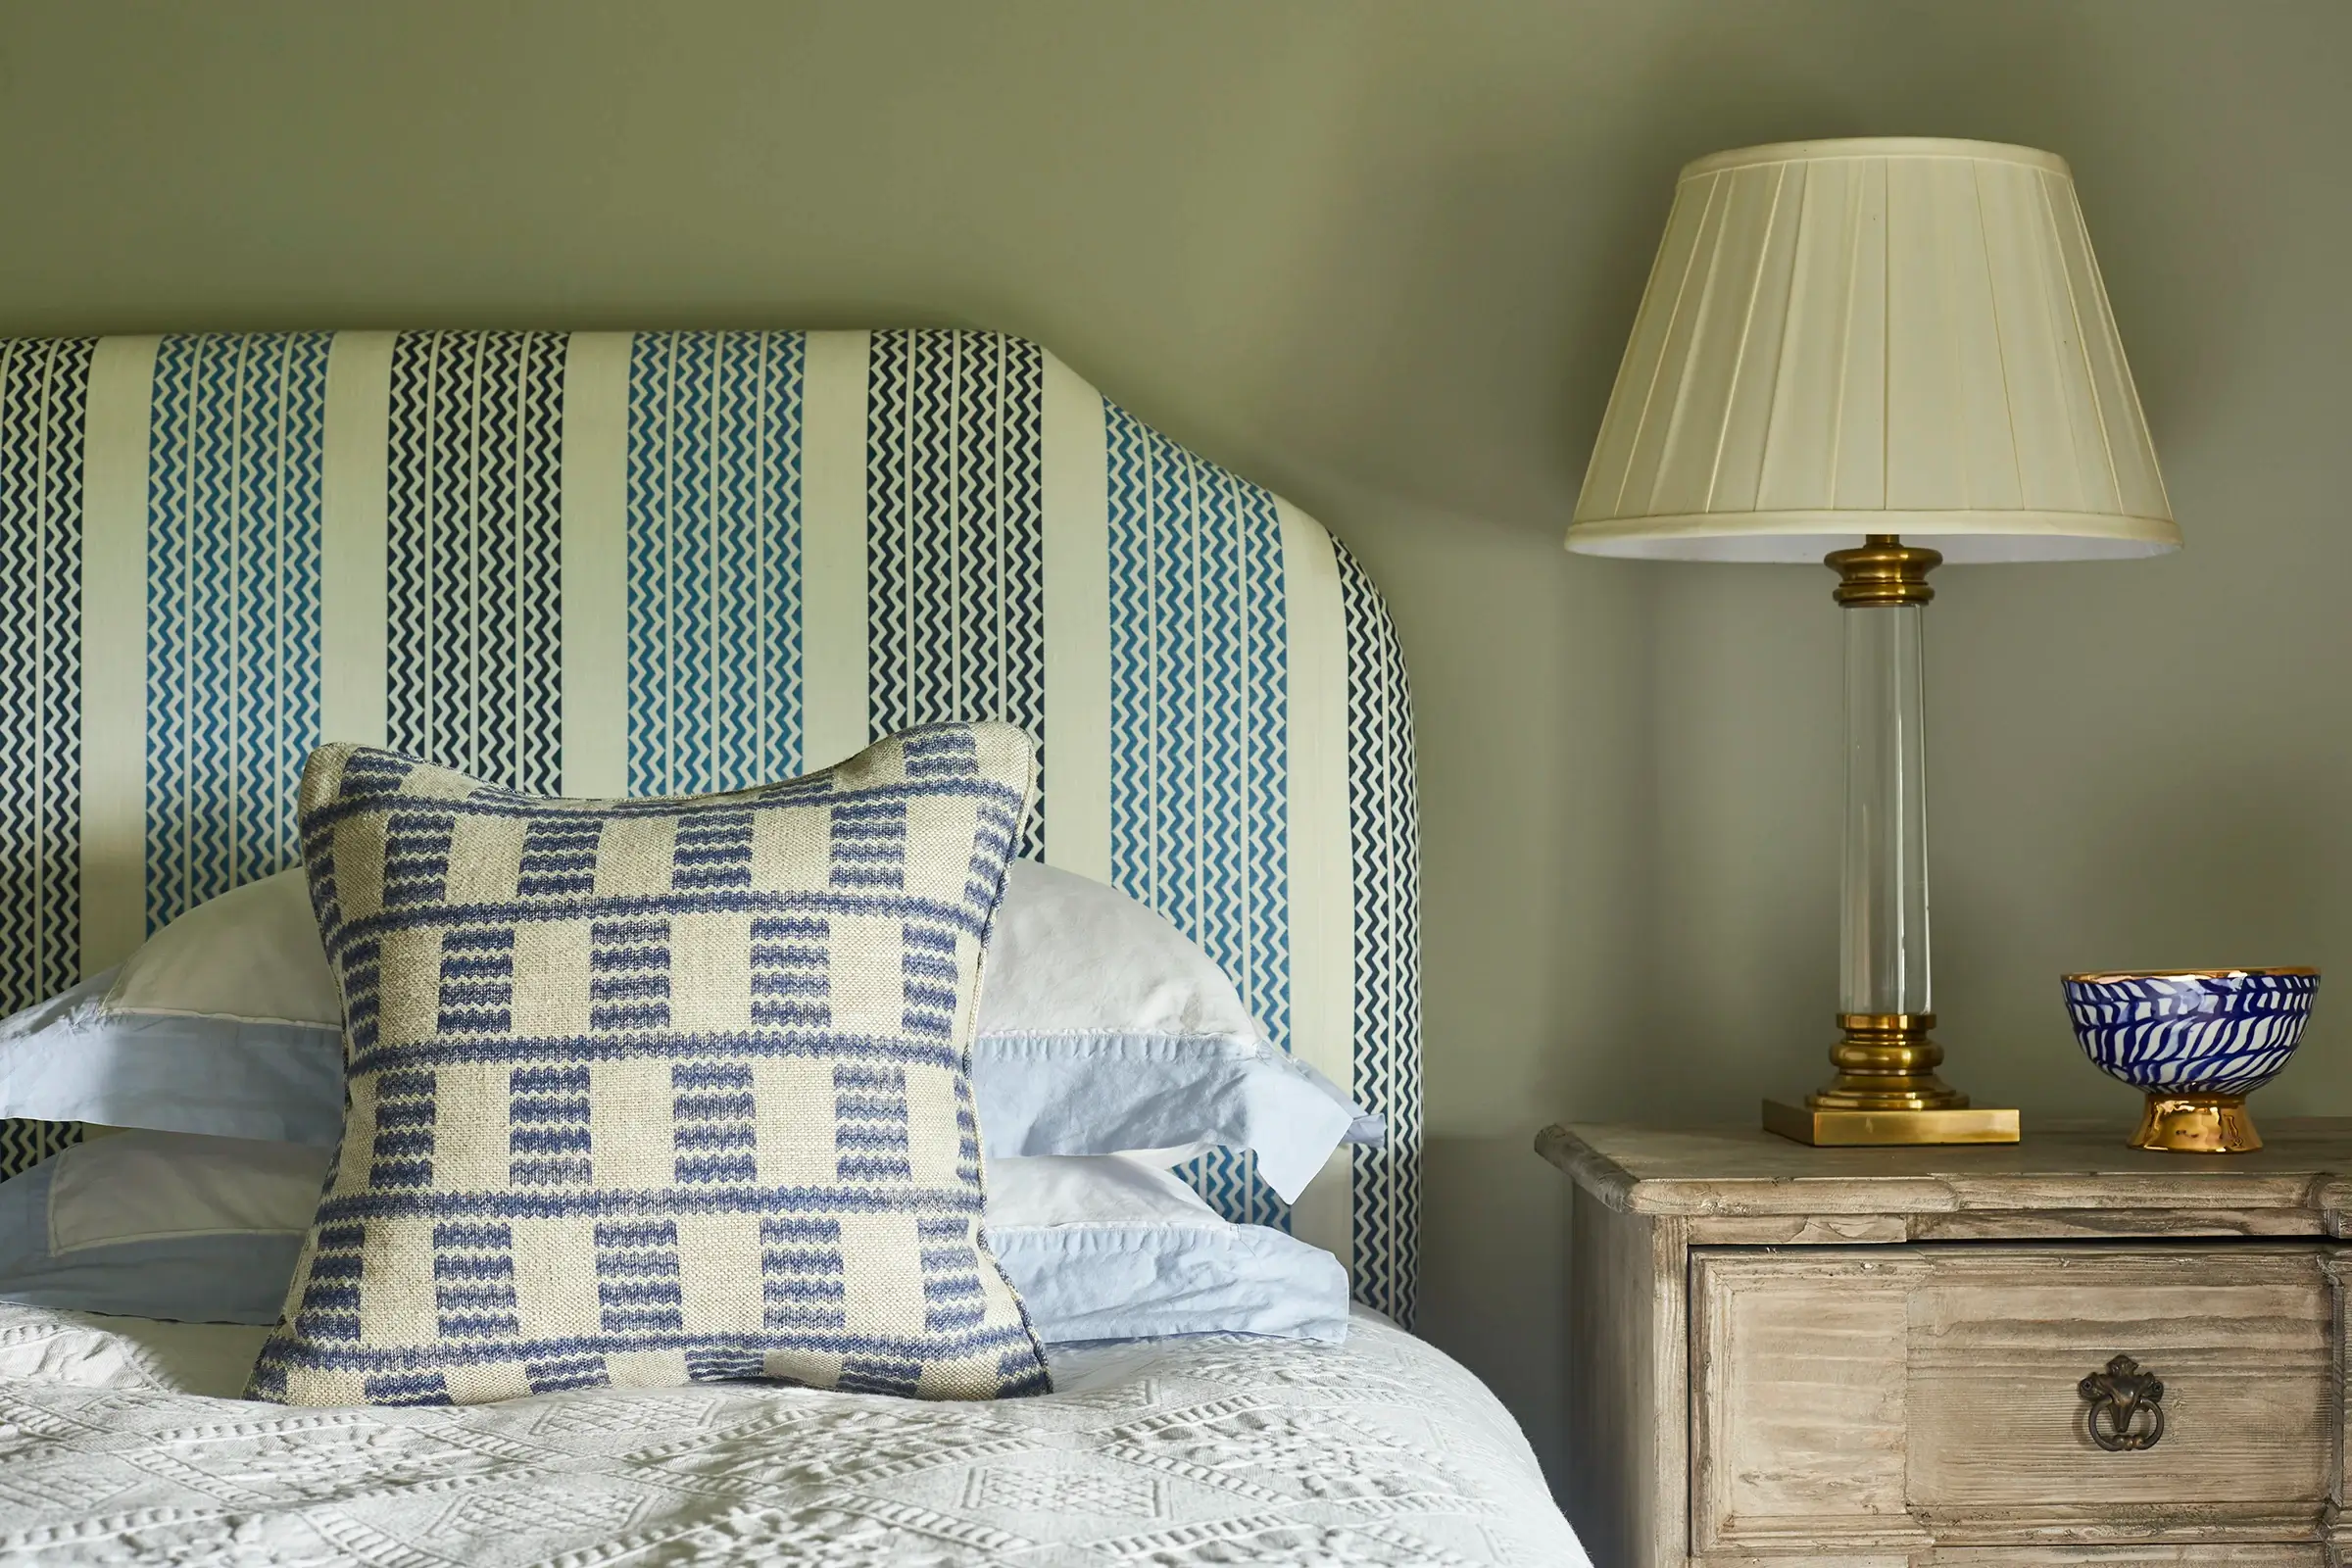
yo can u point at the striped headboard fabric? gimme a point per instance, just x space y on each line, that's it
623 564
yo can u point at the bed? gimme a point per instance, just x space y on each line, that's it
607 563
1197 1451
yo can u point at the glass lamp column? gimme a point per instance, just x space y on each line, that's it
1887 1091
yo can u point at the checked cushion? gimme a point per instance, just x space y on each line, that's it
657 1091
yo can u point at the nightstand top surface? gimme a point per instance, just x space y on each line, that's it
2305 1163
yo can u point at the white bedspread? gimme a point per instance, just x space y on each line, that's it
117 1445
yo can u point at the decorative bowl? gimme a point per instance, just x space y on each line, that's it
2196 1041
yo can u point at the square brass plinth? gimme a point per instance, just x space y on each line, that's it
1849 1128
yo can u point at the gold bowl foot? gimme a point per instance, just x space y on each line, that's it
2197 1124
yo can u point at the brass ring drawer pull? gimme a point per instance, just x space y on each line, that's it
2125 1394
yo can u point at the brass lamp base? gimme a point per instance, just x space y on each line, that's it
2197 1124
1848 1129
1886 1092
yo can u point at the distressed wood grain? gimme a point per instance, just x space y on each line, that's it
2306 1165
2242 1336
1627 1362
2236 1555
1798 1402
1866 1359
1796 1230
2102 1224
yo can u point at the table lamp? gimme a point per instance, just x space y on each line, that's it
1882 354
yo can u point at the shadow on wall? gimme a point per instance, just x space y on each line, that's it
1494 1278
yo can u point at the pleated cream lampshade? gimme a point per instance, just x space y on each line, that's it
1888 336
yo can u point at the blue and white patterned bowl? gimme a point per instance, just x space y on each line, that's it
2191 1032
2197 1042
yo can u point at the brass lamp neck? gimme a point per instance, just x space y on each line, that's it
1883 570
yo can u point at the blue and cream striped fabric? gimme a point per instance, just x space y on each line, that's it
605 563
43 385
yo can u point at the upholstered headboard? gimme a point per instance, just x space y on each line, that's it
606 563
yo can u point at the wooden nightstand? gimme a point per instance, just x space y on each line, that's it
1877 1357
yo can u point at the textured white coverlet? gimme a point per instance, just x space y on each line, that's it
117 1445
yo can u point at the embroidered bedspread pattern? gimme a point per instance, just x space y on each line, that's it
610 564
1380 1451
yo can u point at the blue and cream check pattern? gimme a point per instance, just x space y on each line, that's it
658 1091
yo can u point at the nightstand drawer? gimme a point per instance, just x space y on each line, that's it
1890 1398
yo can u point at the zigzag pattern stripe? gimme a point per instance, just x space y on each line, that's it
474 466
1199 761
1265 780
714 560
955 607
1384 837
236 441
43 390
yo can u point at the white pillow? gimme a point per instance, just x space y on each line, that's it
252 954
1044 1192
160 1225
1105 1029
137 1186
1072 957
1105 1248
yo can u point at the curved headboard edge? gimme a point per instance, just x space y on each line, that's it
608 562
